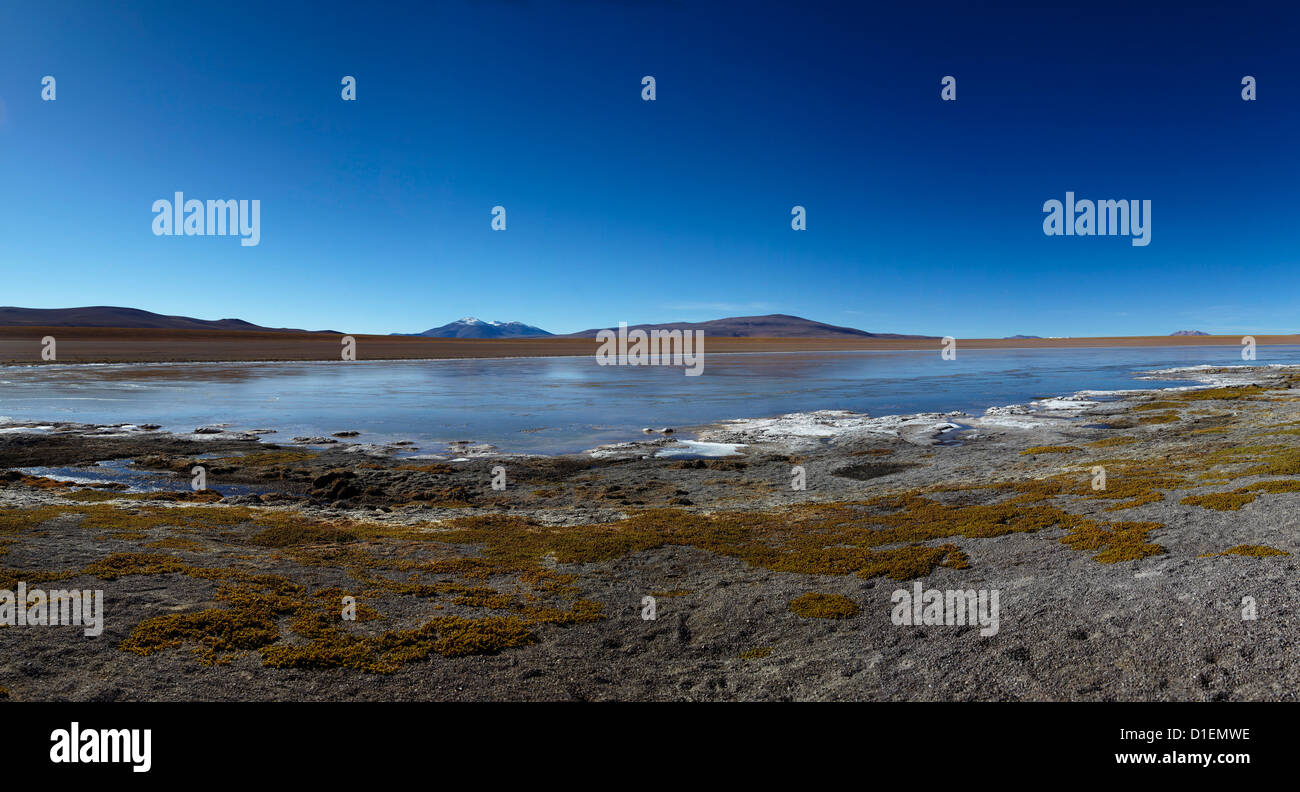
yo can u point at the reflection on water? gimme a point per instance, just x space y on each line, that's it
554 405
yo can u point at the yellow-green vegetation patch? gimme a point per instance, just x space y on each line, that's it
1113 541
1275 487
93 496
1159 418
458 637
261 459
1258 551
1112 441
4 692
1142 495
1233 454
137 518
1123 541
1227 393
757 653
1220 501
1209 430
1235 499
100 496
120 565
815 605
44 482
1281 462
913 561
579 612
450 636
1157 405
14 521
1062 449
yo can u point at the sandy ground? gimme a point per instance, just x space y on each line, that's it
537 590
109 345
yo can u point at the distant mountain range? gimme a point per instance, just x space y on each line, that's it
469 327
112 316
769 326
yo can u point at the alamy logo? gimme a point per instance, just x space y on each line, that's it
657 348
946 606
54 608
215 218
1099 218
131 746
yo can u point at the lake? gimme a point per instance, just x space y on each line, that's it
562 405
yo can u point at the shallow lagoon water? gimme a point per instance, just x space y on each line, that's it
563 405
120 471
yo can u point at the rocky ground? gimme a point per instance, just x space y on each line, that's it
1139 588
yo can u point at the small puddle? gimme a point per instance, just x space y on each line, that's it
952 437
700 449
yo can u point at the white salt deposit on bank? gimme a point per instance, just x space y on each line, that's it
26 430
698 448
1213 376
822 424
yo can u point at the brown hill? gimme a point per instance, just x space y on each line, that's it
112 316
769 326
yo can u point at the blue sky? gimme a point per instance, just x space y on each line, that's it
923 216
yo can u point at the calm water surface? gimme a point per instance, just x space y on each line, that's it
561 405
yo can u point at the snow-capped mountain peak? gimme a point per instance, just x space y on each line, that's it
473 327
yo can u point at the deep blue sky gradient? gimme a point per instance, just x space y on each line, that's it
923 216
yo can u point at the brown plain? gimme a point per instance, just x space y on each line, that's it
129 345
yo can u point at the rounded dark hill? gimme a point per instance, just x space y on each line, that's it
116 316
768 326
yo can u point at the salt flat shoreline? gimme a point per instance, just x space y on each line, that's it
536 591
